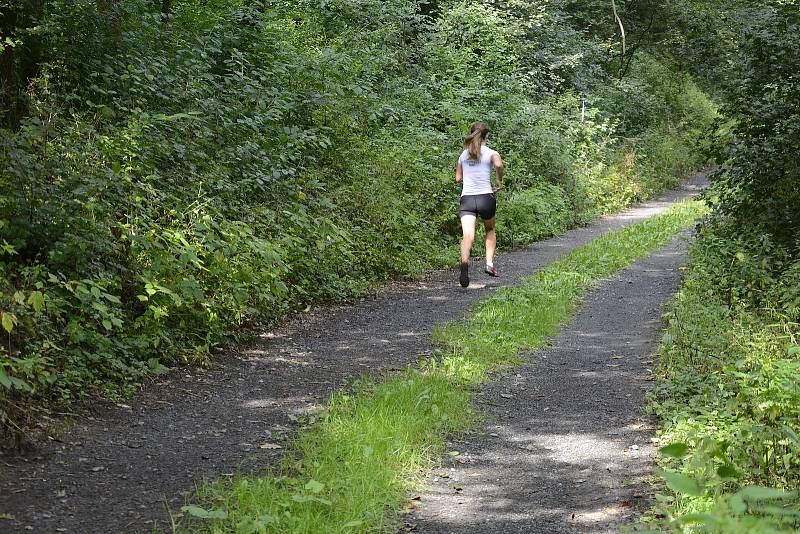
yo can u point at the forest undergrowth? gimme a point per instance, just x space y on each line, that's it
175 174
728 394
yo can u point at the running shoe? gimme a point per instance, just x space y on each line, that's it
464 278
492 271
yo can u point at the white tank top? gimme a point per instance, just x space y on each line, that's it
477 174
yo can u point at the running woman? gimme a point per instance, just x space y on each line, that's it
474 169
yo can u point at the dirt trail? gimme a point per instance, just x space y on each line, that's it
566 446
120 470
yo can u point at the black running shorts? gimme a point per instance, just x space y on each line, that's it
484 205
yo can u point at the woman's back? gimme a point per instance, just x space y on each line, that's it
477 173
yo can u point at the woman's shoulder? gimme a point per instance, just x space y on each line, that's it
486 151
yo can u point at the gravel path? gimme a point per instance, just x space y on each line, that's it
566 446
121 469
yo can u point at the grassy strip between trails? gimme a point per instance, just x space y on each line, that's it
352 468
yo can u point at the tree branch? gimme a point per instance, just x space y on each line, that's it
619 23
637 44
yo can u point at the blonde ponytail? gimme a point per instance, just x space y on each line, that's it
477 135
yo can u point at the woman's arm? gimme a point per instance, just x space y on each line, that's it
459 172
500 170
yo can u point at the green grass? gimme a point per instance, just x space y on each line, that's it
351 470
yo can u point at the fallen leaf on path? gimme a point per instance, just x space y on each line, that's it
616 357
270 446
6 516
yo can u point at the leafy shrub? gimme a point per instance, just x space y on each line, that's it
728 390
533 214
176 176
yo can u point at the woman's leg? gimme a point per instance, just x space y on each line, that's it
491 240
468 230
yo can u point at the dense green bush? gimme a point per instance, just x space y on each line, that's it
728 391
533 213
169 176
728 397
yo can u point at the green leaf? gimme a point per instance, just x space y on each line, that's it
681 483
737 504
7 321
792 434
314 487
250 525
5 381
758 493
354 523
727 471
217 514
195 511
675 450
36 299
202 513
20 384
156 367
